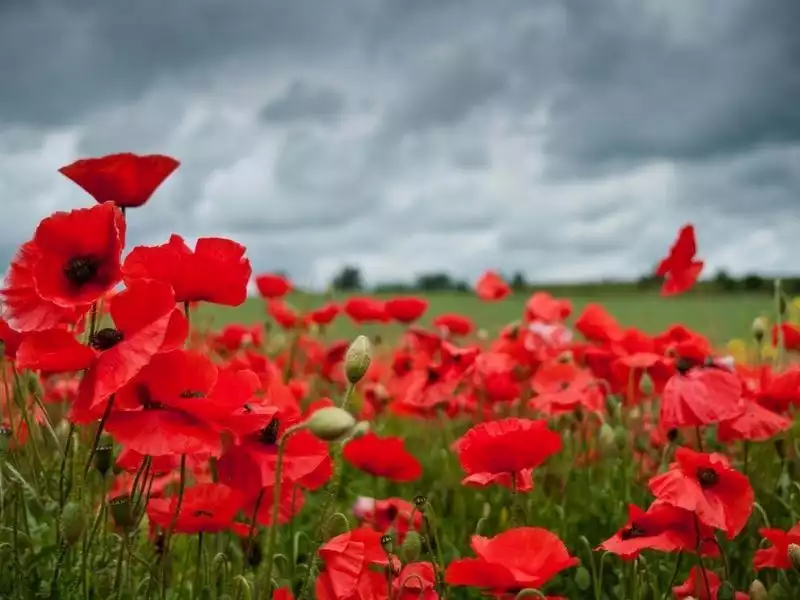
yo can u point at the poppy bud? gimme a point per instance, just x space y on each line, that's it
122 511
758 591
646 385
330 423
102 456
387 542
357 359
420 502
72 523
482 334
607 440
782 305
759 328
794 555
411 547
361 428
621 437
726 591
582 579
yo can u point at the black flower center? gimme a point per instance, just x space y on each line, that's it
106 338
433 376
707 477
146 399
269 435
81 270
202 513
191 394
634 531
683 365
391 512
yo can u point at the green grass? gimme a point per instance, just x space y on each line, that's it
720 317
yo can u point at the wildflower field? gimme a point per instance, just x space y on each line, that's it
163 436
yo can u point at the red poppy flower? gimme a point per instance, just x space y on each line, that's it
491 287
541 306
250 465
406 309
146 322
272 285
291 503
365 310
417 581
283 594
756 424
71 262
629 370
206 508
325 314
701 397
680 268
391 513
354 567
790 334
382 457
777 555
125 179
215 272
495 374
663 527
283 314
9 339
695 587
490 452
595 324
779 392
454 325
707 485
525 557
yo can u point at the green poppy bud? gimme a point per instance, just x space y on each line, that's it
103 455
357 359
582 579
122 511
330 423
411 547
758 591
72 523
726 591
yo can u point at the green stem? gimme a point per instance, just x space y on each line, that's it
674 576
276 504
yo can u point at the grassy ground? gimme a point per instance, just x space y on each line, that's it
721 318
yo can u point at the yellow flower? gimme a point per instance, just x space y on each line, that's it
738 350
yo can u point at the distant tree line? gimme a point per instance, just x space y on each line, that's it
350 279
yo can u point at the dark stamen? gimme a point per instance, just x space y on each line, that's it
634 531
707 477
191 394
202 513
269 435
81 270
106 338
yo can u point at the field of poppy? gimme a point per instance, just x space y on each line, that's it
164 437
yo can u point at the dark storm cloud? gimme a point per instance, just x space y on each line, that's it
567 138
302 100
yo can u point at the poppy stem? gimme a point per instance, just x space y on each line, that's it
674 576
174 521
699 557
198 568
276 504
97 436
699 436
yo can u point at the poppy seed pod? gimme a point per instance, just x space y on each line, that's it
357 359
794 555
330 423
759 328
122 511
758 591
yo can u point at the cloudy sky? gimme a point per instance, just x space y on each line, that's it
569 139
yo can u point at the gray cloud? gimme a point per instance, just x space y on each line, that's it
565 138
302 100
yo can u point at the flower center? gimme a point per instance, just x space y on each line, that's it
634 531
106 338
80 270
146 399
707 477
202 513
269 435
191 394
433 376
